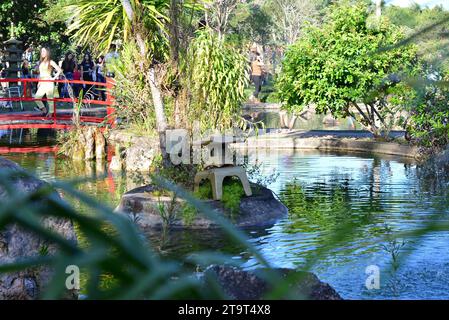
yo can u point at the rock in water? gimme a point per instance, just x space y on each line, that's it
78 153
245 285
17 243
89 147
261 209
100 145
139 157
116 164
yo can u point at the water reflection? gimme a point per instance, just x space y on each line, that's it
27 137
366 196
304 121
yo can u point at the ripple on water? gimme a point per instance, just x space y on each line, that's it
364 197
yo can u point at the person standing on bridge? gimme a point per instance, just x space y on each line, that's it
87 71
46 67
68 66
26 74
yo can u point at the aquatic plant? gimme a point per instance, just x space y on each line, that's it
256 176
232 196
167 211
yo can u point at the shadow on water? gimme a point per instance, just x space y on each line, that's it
27 137
183 243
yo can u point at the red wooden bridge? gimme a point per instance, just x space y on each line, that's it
17 92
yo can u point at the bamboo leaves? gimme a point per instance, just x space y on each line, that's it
217 76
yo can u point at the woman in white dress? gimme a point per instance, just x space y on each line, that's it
46 67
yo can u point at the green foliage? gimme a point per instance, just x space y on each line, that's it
339 65
267 94
232 195
255 175
217 76
204 191
132 91
70 140
98 23
167 212
118 263
32 25
428 125
290 17
249 23
432 46
326 209
115 249
181 174
188 214
413 16
427 120
43 250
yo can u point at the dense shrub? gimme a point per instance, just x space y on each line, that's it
217 76
132 93
342 68
428 125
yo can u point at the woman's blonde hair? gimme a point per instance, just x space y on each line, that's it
47 58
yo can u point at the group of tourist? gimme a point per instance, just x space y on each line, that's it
68 68
90 70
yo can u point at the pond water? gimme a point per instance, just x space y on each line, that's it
359 197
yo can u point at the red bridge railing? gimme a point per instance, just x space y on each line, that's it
23 119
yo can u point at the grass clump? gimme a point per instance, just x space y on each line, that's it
232 195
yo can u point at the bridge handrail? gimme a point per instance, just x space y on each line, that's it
108 102
104 84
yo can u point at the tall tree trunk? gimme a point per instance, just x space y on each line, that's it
174 32
161 120
174 51
158 103
128 9
378 8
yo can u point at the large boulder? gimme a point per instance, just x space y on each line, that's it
139 157
138 152
261 209
251 285
89 146
17 243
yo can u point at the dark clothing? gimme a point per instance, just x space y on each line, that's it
28 55
68 66
25 72
87 75
258 84
65 91
2 71
101 91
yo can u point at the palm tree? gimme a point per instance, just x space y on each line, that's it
99 22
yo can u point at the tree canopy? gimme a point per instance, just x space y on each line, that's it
340 64
31 23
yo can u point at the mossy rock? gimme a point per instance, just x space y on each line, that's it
261 209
